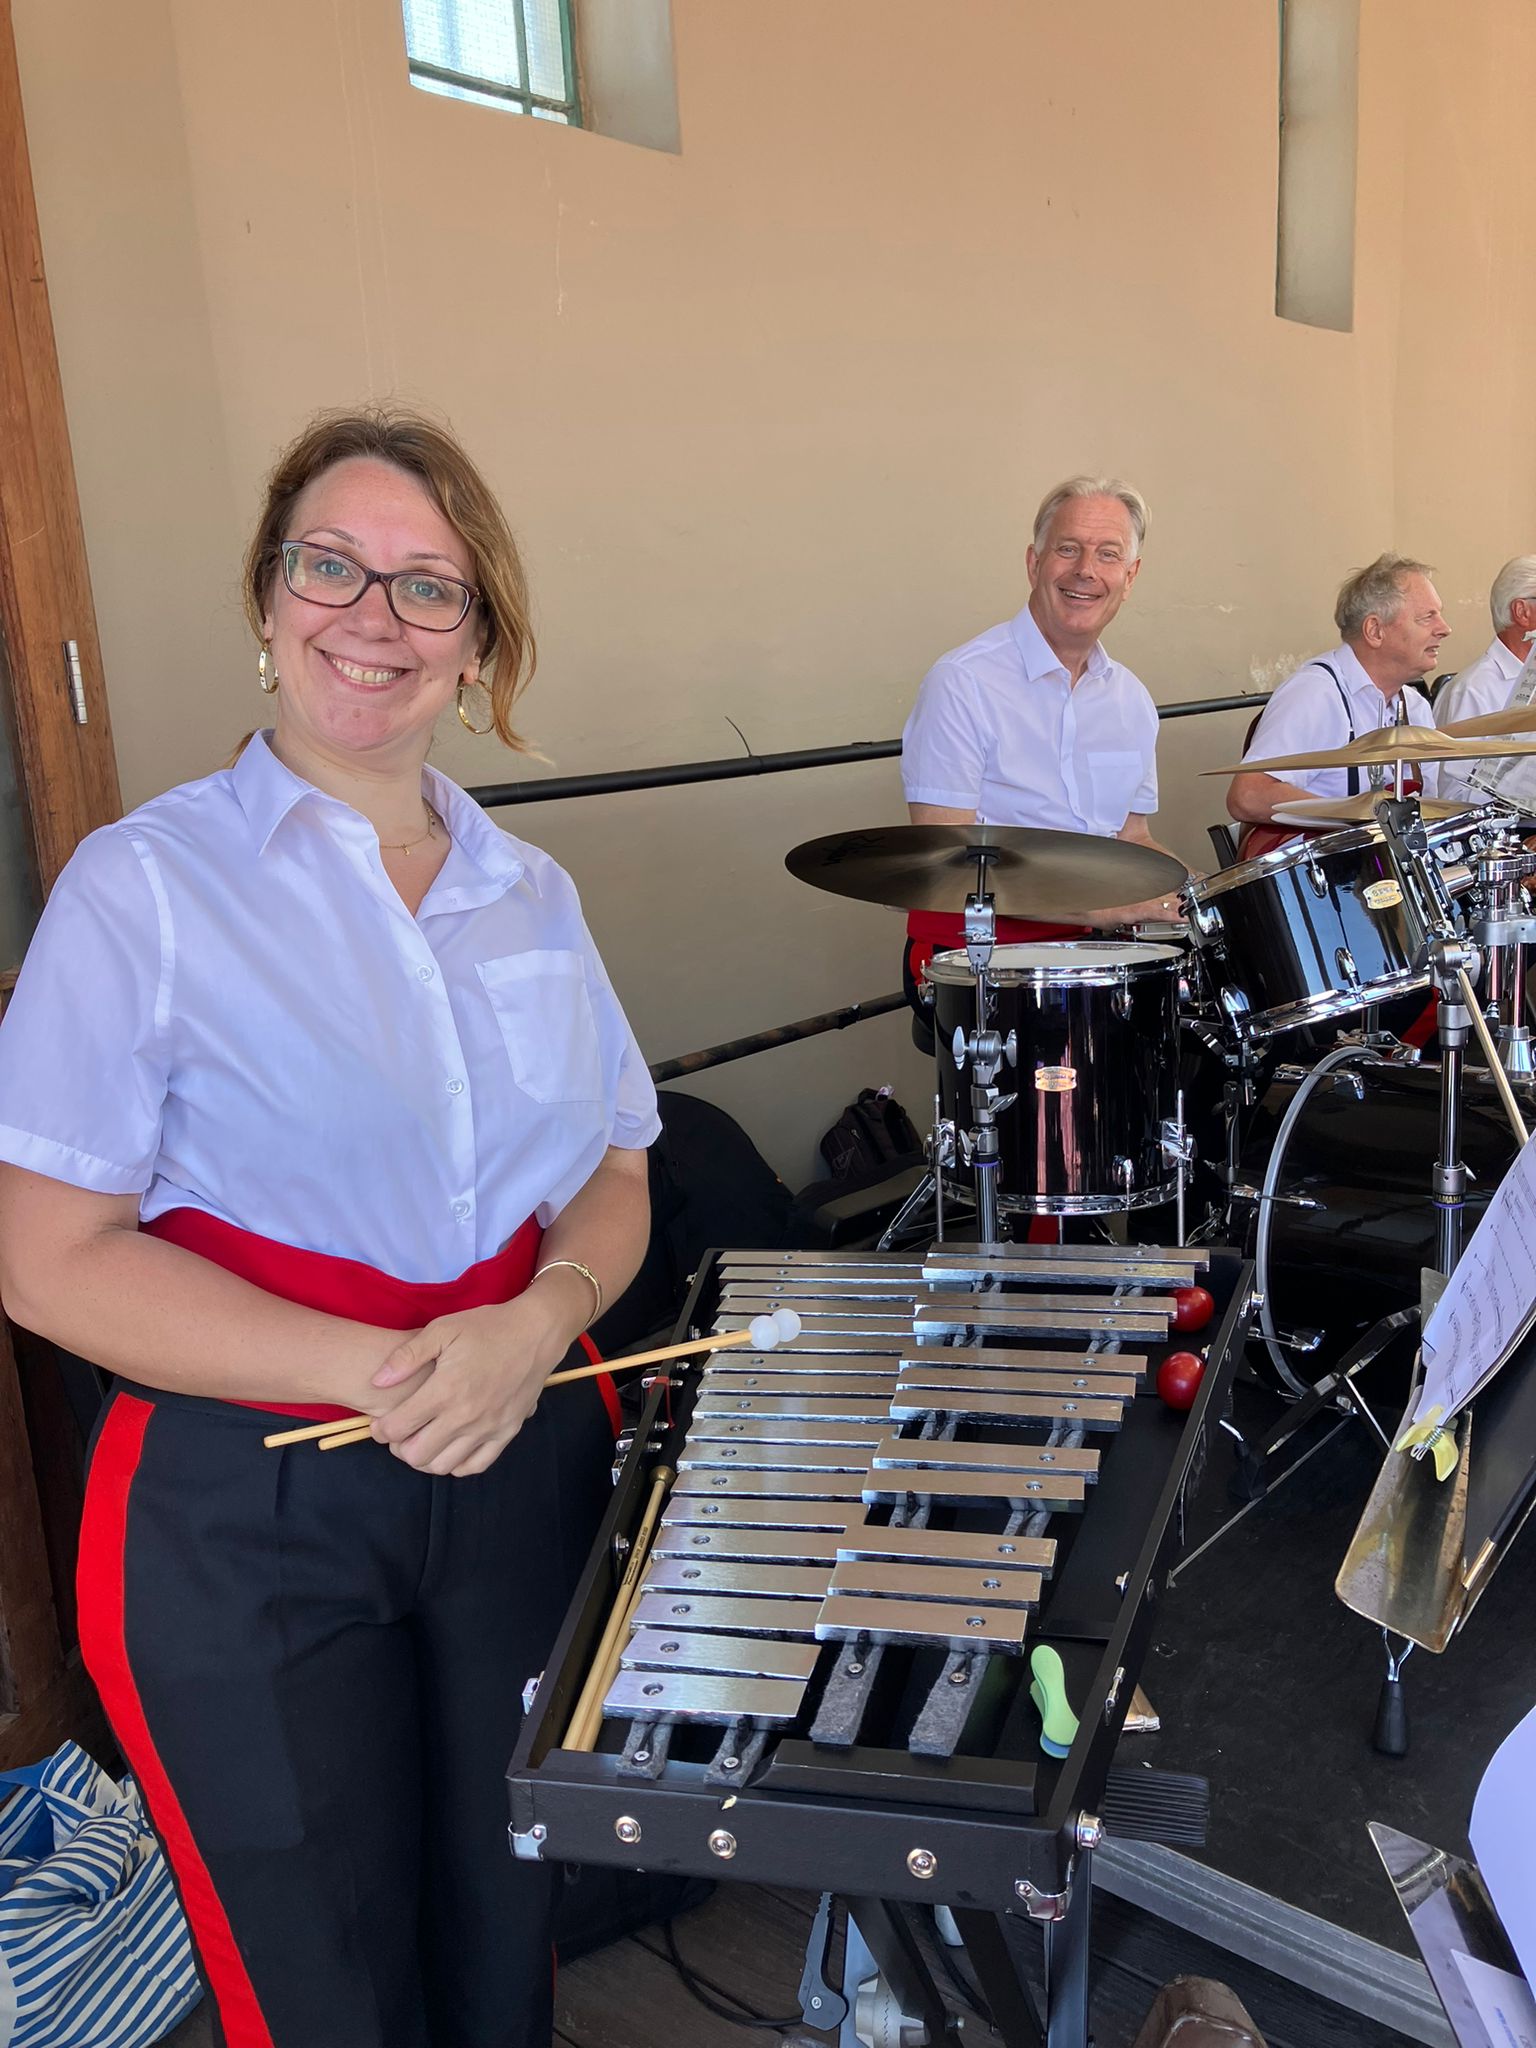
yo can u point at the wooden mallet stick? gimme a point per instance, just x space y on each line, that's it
763 1333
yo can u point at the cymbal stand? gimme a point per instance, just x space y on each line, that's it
1505 929
986 1051
1433 918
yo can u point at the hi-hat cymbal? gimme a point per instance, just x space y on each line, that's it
1030 873
1493 722
1392 743
1358 810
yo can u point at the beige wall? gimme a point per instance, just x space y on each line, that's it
771 414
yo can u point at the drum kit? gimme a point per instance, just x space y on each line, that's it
1063 1065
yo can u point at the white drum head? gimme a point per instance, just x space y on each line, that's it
1054 960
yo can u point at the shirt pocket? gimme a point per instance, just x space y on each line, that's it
1116 776
545 1015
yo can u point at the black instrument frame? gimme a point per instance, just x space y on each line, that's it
804 1820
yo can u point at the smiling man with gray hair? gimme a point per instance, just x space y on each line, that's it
1488 683
1032 723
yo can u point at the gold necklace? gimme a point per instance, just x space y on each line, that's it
404 846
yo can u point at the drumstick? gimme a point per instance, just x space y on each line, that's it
1491 1055
763 1333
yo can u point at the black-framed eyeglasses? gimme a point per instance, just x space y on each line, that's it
417 597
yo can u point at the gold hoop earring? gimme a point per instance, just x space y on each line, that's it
479 731
261 673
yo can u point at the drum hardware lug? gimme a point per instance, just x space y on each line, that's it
1175 1143
1235 1003
959 1048
1011 1051
1121 1000
1205 917
1113 1694
1303 1341
1315 876
1347 1077
1245 1191
1344 960
1038 1904
1124 1170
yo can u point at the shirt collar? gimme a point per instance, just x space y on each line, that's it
267 790
1041 659
1508 665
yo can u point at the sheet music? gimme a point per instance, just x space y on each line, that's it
1504 2003
1502 1830
1489 1301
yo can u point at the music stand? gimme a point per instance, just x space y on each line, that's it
1425 1550
1450 1915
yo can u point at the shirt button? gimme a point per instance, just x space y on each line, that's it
425 973
462 1211
455 1087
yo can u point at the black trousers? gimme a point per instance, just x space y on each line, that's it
313 1662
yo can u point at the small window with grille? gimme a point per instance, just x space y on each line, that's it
514 54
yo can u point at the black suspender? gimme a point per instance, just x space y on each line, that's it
1328 670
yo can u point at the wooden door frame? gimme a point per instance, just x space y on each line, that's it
67 775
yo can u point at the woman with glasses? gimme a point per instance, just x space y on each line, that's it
316 1100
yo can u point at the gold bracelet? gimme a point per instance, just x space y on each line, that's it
587 1274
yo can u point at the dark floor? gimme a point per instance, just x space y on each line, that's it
1268 1686
750 1944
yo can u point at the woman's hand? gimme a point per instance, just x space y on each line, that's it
484 1371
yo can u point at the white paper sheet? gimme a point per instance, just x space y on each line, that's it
1490 1297
1503 1833
1504 2003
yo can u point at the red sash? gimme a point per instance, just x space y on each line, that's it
346 1287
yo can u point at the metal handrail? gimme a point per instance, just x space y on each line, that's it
615 782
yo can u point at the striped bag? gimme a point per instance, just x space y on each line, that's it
93 1948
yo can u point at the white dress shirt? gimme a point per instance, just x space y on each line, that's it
1309 713
1481 687
227 1006
999 728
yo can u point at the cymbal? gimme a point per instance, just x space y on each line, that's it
1053 875
1493 722
1392 743
1359 810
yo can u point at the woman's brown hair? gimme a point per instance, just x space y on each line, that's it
423 449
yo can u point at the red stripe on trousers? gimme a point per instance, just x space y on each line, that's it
363 1294
101 1591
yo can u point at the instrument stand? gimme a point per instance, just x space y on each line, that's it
1449 957
985 1051
1505 930
890 1998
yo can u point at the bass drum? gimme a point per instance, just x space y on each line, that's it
1353 1222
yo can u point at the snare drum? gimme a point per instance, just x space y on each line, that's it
1314 930
1097 1027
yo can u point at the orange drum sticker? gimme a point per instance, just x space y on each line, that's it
1382 895
1055 1080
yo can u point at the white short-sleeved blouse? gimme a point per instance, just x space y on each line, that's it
227 1006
